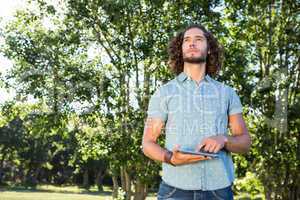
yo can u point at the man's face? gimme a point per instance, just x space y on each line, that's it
194 46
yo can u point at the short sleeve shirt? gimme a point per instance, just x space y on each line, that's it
191 113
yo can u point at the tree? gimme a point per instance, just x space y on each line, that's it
11 136
134 36
269 30
95 67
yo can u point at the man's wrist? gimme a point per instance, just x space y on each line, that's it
168 156
225 140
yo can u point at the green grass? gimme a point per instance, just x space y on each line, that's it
50 192
40 195
31 195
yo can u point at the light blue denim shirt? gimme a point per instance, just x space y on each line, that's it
192 112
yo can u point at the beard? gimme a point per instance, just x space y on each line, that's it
195 60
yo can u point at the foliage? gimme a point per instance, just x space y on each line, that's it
92 65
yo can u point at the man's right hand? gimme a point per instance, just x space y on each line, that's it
179 158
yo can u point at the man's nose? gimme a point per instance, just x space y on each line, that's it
192 44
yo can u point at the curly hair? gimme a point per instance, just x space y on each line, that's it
213 60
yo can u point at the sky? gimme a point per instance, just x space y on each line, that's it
7 8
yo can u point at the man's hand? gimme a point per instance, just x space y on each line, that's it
212 144
182 158
238 142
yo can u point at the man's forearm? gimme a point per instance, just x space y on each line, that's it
154 151
238 143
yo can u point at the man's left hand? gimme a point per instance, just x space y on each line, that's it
212 144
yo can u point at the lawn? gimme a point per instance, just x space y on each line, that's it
31 195
49 192
40 195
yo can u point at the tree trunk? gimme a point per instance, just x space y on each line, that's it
1 176
86 179
31 177
115 186
4 153
123 182
126 182
128 185
36 175
99 179
141 190
268 195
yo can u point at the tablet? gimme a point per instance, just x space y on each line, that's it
202 153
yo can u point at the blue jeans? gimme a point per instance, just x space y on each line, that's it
167 192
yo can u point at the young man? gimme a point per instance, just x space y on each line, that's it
195 111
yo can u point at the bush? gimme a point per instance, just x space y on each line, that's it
249 185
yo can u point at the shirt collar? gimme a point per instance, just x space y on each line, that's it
183 76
